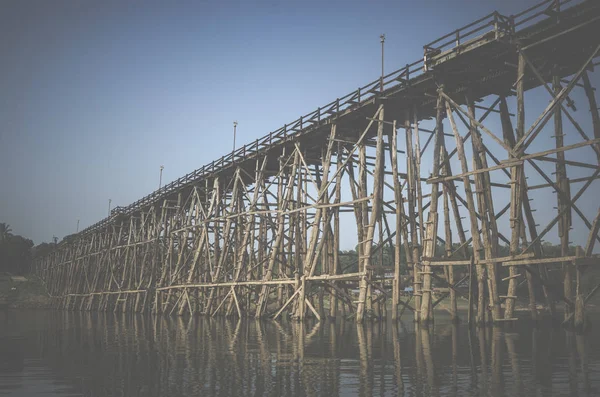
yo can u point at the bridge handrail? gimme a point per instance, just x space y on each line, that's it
500 22
456 34
312 119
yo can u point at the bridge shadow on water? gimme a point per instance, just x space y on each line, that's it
105 354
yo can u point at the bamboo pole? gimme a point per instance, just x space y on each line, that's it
477 248
562 182
400 229
448 246
489 229
516 180
432 220
364 298
413 180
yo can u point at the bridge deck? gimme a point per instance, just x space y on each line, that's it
481 57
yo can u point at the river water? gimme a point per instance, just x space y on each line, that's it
49 353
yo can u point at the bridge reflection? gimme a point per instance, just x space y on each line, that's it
133 355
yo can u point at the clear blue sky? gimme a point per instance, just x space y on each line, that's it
95 96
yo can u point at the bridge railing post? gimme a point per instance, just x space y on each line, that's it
496 25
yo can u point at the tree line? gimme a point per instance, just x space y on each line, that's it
17 252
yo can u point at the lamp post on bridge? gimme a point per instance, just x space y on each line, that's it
382 37
162 167
77 226
109 202
235 123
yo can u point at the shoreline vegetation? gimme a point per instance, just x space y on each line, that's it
23 292
20 287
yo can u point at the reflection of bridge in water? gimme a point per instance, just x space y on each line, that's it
258 231
118 354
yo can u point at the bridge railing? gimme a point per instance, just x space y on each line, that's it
493 23
466 34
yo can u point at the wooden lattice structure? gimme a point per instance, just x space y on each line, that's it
435 163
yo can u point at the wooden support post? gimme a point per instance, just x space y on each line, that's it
477 249
579 320
564 224
333 303
302 300
471 291
448 246
489 229
516 179
412 255
399 220
364 298
432 220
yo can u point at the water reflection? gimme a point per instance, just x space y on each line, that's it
67 353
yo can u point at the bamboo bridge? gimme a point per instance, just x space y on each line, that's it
435 164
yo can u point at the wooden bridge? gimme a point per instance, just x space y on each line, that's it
406 164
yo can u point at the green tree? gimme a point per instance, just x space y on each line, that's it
15 254
41 250
5 231
348 261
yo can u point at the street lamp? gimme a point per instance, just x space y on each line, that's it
382 37
77 226
162 167
109 202
235 123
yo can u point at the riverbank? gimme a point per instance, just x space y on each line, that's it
17 292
